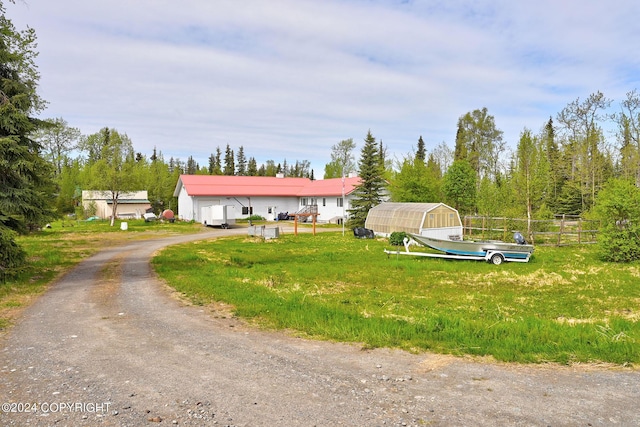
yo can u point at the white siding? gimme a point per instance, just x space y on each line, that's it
266 207
185 206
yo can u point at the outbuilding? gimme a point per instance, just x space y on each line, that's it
131 205
435 220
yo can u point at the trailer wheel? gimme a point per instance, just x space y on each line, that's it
496 259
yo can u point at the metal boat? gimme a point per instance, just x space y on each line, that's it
519 250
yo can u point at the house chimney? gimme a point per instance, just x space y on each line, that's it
280 175
353 174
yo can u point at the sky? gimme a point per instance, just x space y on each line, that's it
288 79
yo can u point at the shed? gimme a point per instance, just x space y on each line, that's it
435 220
130 205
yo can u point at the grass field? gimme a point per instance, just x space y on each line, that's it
563 306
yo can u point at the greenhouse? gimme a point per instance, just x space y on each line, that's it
428 219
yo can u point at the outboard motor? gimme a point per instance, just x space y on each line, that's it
519 238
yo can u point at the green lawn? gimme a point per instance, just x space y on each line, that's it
563 306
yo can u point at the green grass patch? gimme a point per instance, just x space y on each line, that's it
563 306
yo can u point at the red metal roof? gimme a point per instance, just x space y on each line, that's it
329 187
247 186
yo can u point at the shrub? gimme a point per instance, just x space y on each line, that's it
12 257
618 206
397 238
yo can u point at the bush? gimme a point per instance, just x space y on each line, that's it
12 257
619 245
397 238
618 206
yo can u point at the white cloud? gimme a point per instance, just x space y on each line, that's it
290 78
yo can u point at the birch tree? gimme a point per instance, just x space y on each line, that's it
628 121
115 172
588 162
479 141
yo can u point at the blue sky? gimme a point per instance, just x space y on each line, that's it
287 79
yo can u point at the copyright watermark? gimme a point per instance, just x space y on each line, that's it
54 407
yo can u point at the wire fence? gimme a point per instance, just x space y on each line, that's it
562 230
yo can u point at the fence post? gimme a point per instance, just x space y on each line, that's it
579 230
504 229
561 229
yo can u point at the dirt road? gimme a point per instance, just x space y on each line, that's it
119 350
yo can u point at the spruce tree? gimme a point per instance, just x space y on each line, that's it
421 153
241 162
229 162
370 191
25 177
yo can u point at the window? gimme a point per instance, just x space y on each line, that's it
303 201
247 210
340 200
324 201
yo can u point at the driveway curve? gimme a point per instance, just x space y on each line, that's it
117 349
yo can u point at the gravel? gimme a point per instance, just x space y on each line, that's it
128 352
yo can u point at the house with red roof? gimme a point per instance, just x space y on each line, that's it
265 196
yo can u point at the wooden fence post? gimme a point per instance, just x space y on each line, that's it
561 229
504 229
579 230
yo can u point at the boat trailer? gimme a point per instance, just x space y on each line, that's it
493 256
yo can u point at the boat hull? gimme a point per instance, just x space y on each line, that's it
473 248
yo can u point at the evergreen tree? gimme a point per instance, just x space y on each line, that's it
460 151
229 162
217 162
556 175
421 152
192 166
252 167
241 162
25 177
370 191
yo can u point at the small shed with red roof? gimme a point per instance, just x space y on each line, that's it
265 196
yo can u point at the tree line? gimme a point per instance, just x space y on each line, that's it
557 170
107 161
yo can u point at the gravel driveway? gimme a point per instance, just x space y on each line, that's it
122 351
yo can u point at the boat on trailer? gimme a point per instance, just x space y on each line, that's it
493 251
